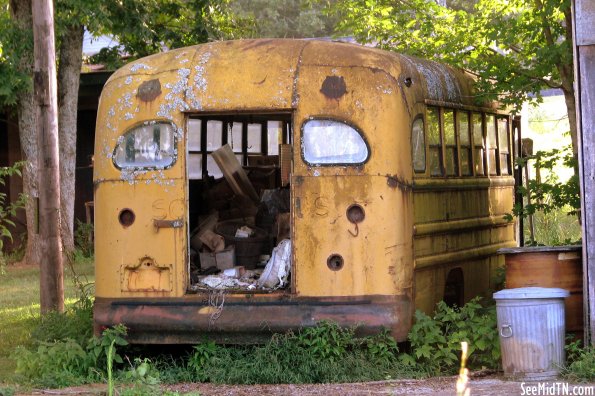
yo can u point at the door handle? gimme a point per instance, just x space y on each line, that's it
177 223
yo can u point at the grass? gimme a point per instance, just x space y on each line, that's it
19 306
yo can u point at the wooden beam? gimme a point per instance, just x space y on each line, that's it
584 56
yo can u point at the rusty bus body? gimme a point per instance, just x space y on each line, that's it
427 169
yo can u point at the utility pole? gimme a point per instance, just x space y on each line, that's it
46 98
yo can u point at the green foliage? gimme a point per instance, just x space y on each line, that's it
6 391
436 341
16 44
199 360
514 47
103 350
83 238
272 18
321 354
53 364
550 196
9 209
580 363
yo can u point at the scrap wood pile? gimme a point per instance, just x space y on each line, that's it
238 253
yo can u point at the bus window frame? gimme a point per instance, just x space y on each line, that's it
329 165
425 148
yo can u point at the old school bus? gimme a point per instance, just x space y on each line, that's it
393 177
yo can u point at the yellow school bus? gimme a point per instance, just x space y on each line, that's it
396 182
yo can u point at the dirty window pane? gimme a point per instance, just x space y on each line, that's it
146 146
479 164
332 142
465 142
274 130
418 145
213 168
451 160
435 166
463 123
466 161
433 126
449 128
214 135
478 143
195 166
194 134
491 144
503 134
254 138
234 136
505 167
491 131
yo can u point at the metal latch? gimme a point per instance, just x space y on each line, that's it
177 223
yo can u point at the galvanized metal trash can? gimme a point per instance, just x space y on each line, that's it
532 331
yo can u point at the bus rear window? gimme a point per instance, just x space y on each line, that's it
146 146
326 142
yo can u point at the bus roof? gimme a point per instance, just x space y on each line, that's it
269 69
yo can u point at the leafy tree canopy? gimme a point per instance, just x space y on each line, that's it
294 19
515 47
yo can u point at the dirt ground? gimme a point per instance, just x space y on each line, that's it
490 385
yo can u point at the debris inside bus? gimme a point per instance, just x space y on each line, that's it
243 244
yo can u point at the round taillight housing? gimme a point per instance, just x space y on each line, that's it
355 214
335 262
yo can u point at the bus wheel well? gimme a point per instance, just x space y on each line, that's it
454 288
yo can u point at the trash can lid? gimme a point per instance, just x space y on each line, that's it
531 292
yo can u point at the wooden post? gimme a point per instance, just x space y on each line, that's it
45 94
584 68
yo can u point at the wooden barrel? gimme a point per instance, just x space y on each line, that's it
546 266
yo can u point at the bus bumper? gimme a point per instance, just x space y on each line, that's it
247 319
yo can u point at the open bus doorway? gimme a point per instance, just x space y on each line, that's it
238 170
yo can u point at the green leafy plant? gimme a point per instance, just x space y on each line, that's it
435 341
9 209
200 359
580 362
549 197
83 238
53 364
326 341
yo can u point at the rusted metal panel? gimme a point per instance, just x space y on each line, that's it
191 320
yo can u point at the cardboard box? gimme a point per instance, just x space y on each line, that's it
222 260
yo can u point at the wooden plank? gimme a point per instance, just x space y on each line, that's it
586 114
585 20
234 174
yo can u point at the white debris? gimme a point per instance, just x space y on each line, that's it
277 270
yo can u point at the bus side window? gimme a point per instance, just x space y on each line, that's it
434 141
418 145
274 134
478 144
465 142
194 149
451 161
492 144
504 146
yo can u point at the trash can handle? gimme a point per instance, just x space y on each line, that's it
506 331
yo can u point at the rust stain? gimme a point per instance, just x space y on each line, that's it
149 90
393 181
333 87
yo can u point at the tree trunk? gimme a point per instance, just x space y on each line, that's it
21 13
46 98
71 59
